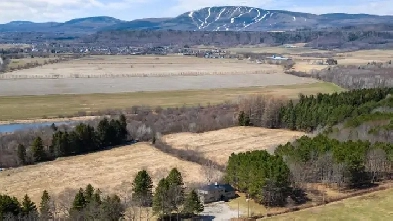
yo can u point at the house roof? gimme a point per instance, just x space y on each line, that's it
210 187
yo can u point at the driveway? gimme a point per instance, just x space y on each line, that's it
218 212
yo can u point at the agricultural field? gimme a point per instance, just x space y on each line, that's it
51 106
144 65
373 206
307 64
106 170
219 145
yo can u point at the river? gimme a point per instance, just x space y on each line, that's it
10 128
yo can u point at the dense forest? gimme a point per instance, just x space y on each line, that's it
170 199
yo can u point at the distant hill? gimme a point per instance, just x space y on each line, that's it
225 18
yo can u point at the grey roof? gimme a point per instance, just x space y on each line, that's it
210 187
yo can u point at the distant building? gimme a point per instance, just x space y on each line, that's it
216 192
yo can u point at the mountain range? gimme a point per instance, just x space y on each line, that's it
225 18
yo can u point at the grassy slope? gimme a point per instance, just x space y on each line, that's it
374 206
33 107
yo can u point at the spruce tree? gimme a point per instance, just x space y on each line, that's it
79 202
176 189
161 205
29 208
192 204
38 150
142 188
45 206
89 193
22 154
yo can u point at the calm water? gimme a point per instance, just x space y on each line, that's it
9 128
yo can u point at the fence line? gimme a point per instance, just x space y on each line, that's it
163 74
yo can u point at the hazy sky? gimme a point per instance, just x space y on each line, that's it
63 10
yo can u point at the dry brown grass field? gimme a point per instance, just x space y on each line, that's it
219 145
105 170
140 65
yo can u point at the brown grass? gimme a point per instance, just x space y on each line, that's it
105 170
151 65
219 145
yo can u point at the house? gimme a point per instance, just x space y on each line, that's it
216 192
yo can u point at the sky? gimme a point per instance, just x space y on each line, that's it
64 10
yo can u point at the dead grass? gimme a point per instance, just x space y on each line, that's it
219 145
105 170
373 206
35 107
99 65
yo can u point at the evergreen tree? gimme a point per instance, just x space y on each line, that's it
123 125
79 202
176 189
45 206
22 154
29 208
9 205
161 205
192 204
38 150
89 193
142 188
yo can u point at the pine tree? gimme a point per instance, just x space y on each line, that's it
161 206
142 188
89 193
192 204
79 201
176 189
38 150
123 125
29 208
22 154
45 206
9 205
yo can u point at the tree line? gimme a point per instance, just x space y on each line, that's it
143 123
82 139
329 109
170 199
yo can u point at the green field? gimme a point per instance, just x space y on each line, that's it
374 206
36 107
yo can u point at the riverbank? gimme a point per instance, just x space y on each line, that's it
54 120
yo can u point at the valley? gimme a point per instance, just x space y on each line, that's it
212 114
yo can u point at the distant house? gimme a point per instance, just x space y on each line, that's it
216 192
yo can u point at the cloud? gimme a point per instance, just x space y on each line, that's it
377 7
62 10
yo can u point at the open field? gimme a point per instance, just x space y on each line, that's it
373 206
105 170
307 64
134 84
35 107
278 50
140 65
219 145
